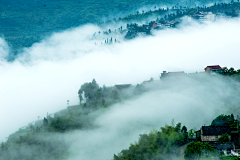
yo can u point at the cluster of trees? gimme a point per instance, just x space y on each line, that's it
225 120
204 151
167 143
165 15
198 150
228 8
231 71
162 144
143 15
93 97
169 14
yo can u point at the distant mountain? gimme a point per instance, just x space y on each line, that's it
24 22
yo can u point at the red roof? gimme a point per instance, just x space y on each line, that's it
214 67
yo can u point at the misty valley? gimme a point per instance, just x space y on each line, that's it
119 80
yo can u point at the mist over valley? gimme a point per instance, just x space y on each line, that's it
77 93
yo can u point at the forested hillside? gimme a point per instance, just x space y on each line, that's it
26 22
170 141
44 139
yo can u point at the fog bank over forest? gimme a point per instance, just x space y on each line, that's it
193 101
50 72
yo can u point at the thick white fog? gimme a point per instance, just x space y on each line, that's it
50 72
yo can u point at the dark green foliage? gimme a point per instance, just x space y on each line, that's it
197 150
93 97
45 122
156 145
103 101
228 158
224 138
223 120
191 133
185 133
90 90
91 93
228 8
64 123
178 127
231 71
184 129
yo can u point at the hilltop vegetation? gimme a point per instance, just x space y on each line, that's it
170 17
178 11
145 22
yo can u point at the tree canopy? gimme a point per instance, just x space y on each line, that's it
223 120
197 150
156 145
224 138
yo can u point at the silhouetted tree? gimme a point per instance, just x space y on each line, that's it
45 122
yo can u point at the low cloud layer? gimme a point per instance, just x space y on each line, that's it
50 72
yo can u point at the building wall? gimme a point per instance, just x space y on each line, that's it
211 137
207 70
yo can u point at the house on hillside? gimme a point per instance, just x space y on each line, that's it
210 135
153 24
167 24
203 16
213 69
210 17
